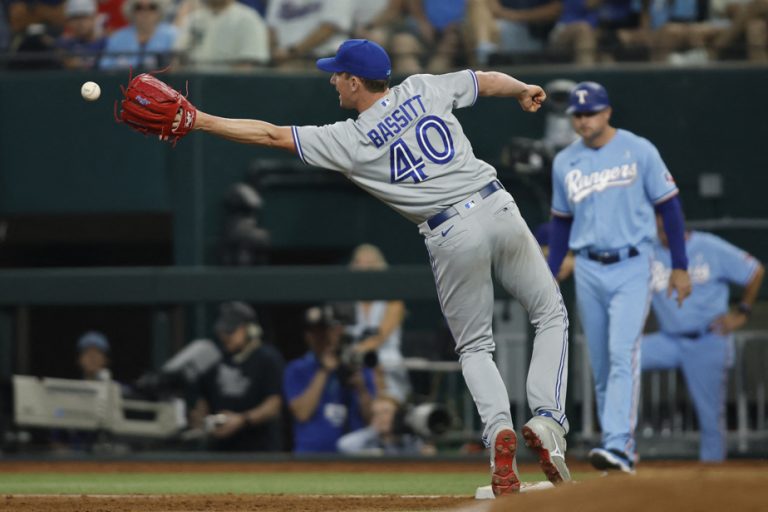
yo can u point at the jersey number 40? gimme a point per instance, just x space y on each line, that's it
404 164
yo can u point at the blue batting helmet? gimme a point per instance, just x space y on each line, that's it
588 97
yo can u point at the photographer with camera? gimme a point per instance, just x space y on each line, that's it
326 397
240 396
377 327
389 433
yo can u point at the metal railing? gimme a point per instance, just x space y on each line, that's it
667 414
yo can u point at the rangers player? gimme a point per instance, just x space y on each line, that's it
408 149
697 337
606 186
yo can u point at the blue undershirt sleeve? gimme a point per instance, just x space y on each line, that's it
674 226
558 242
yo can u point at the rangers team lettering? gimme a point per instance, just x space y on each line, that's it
700 273
580 186
397 121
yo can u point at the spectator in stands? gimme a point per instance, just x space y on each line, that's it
585 26
327 398
242 393
223 34
93 362
184 7
302 30
670 27
512 27
23 13
111 15
576 31
696 337
433 39
35 26
381 436
81 43
749 23
146 43
93 356
675 27
376 20
378 326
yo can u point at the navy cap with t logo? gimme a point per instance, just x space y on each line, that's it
359 57
588 97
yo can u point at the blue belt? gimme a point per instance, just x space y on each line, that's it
609 257
451 211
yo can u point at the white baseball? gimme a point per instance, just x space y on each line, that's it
90 91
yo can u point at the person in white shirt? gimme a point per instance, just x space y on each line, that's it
379 326
223 35
302 30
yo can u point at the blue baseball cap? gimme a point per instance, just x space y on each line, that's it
359 57
93 339
588 97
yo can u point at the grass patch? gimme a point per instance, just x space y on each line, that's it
246 483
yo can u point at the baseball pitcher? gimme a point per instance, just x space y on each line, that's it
407 148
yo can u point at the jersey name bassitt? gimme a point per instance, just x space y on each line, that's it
390 126
408 149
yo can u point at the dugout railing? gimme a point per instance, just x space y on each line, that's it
667 424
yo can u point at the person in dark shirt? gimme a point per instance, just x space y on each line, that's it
241 395
81 44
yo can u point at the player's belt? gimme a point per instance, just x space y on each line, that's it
693 335
609 257
452 211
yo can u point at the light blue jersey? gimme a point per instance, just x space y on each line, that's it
686 341
611 191
714 263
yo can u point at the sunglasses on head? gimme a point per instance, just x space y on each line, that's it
145 7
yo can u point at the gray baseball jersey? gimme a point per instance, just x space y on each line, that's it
410 151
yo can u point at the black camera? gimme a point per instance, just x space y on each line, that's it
341 314
354 360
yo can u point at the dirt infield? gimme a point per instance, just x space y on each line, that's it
741 487
696 489
239 503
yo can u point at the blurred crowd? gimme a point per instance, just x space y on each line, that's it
421 35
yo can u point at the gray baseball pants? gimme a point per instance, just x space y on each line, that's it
490 236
